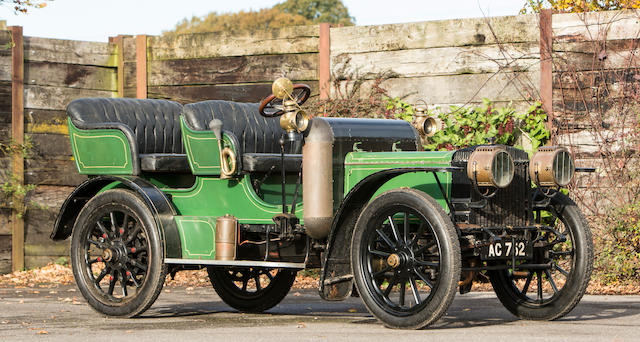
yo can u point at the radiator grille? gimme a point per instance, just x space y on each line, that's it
510 206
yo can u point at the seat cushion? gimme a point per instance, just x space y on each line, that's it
164 162
263 162
255 133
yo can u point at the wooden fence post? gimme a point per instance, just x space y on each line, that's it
324 61
546 66
141 66
119 42
17 136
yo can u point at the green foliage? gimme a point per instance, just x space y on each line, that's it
618 258
468 126
318 11
288 13
572 6
12 191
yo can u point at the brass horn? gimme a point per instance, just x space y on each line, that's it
227 156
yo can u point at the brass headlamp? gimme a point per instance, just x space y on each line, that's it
294 119
552 166
490 166
426 126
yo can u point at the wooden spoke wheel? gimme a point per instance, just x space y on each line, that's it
405 257
251 289
551 292
116 254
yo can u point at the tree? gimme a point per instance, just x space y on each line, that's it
241 21
568 6
318 11
22 6
288 13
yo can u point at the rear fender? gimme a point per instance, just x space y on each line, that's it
160 206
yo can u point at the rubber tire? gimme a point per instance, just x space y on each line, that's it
574 288
232 296
450 254
156 273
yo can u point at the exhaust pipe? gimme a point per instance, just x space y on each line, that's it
317 179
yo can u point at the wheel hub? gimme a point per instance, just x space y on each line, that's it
107 254
393 260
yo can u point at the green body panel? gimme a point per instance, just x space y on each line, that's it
100 151
213 197
203 150
198 236
359 165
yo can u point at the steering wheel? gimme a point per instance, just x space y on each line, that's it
272 106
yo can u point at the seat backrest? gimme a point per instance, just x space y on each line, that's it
255 133
155 123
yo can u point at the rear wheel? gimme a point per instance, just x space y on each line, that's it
251 289
550 293
405 256
116 254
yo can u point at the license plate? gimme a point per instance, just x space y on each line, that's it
506 249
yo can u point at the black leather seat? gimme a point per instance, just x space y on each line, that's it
257 137
151 126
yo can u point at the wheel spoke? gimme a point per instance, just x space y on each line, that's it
394 230
92 261
245 282
390 286
123 283
104 230
125 222
112 282
527 283
269 275
539 274
428 263
383 271
386 239
101 275
414 289
135 263
403 284
406 228
423 277
256 278
553 283
97 243
132 235
425 247
379 253
132 277
562 270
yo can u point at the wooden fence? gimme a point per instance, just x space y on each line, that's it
517 59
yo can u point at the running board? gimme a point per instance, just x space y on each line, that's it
242 263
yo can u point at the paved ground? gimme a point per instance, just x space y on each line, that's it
183 314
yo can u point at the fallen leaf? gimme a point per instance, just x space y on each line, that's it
301 325
43 332
352 310
297 294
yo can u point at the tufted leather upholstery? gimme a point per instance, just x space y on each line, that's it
258 137
255 133
151 126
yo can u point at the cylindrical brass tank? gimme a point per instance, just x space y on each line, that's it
226 237
317 179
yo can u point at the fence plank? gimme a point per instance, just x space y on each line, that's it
439 61
68 51
445 33
296 39
243 69
594 26
70 75
617 54
231 92
57 98
46 121
53 172
459 88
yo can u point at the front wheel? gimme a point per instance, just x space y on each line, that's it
116 254
551 292
405 257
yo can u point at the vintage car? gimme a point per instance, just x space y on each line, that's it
226 186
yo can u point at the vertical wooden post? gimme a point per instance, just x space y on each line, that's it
546 65
17 135
141 66
119 42
324 61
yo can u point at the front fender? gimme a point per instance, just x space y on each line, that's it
336 278
160 206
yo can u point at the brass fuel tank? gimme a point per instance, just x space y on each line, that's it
317 176
226 237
